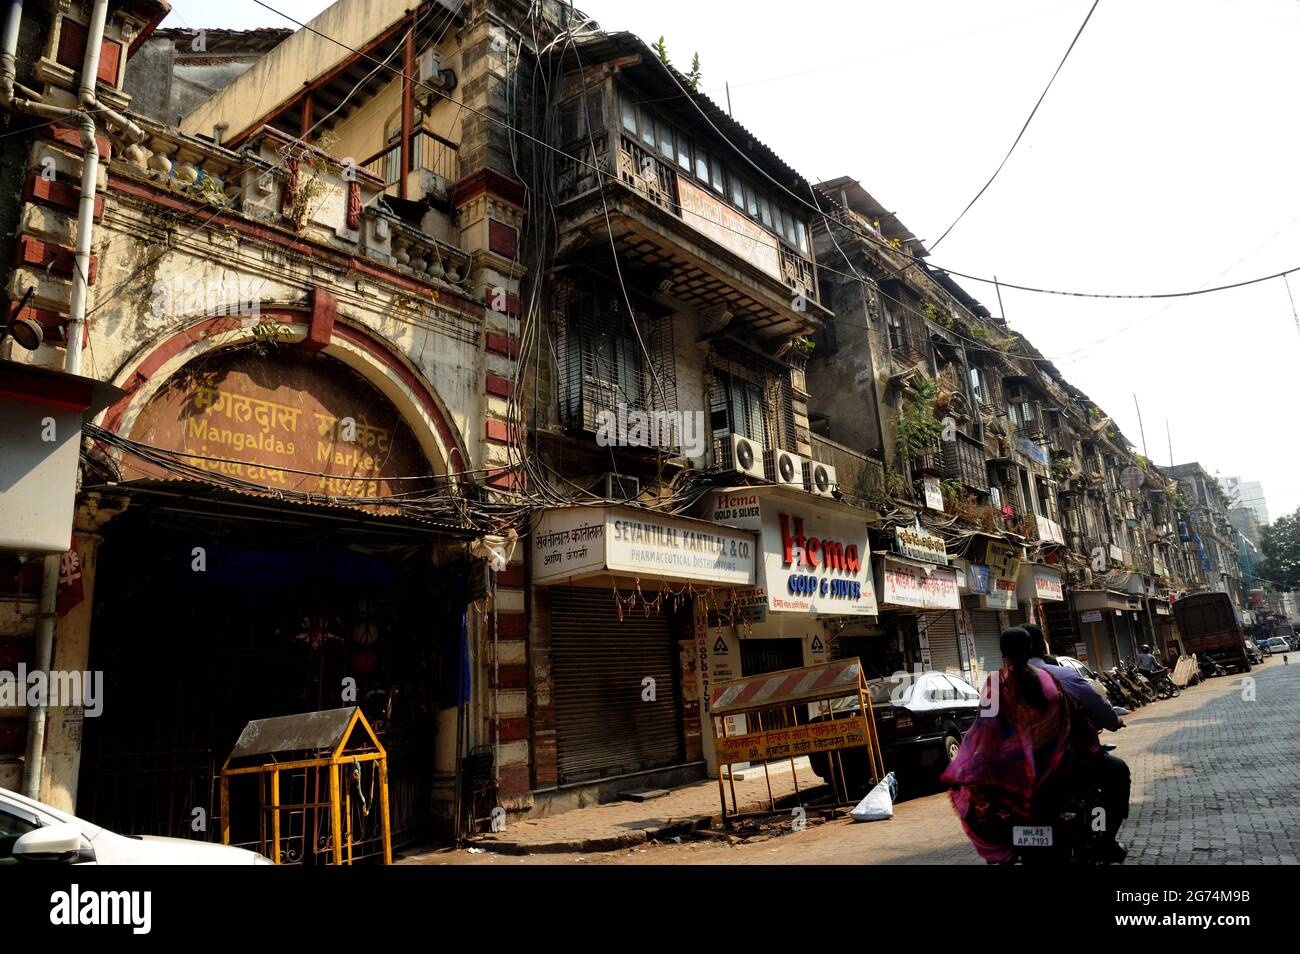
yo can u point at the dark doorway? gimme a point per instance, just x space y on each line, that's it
204 621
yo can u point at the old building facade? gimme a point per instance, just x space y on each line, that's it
476 370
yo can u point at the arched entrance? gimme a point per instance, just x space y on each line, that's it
265 565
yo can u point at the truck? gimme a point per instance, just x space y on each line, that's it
1208 624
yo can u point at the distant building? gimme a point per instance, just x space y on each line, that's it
1247 493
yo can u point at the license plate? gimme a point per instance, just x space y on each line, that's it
1032 836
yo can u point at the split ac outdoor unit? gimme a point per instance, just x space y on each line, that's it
819 478
784 468
621 487
741 454
430 71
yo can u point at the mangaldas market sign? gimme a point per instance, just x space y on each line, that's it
815 559
574 542
290 421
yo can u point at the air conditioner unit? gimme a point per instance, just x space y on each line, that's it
819 478
782 467
621 487
740 454
430 71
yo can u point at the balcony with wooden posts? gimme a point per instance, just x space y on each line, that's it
434 167
688 244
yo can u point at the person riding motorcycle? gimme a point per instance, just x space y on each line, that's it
1111 774
1147 663
1029 745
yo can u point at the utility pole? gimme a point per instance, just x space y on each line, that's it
728 85
1171 443
1141 428
1002 312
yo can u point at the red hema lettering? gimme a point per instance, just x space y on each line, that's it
832 554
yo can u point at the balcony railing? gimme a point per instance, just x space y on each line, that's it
430 153
858 475
908 344
655 178
1031 430
963 459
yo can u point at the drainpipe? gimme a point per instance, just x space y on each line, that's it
34 762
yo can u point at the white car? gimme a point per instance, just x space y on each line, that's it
1085 672
33 832
1277 645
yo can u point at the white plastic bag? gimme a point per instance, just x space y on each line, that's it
879 803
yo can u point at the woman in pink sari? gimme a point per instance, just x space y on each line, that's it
1018 755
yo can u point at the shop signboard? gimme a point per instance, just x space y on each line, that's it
933 493
1049 531
1035 452
1090 616
920 545
1041 583
572 542
1002 595
921 587
978 577
815 557
728 227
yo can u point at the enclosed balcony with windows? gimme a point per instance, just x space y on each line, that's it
682 192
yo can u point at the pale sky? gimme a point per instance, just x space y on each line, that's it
1163 159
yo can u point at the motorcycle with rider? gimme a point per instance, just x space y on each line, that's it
1032 782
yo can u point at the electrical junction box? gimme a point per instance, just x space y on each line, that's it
41 414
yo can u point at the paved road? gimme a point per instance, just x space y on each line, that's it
1216 779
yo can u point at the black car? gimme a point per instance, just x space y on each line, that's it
920 720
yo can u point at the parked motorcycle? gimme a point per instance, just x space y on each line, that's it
1163 683
1140 687
1210 668
1116 691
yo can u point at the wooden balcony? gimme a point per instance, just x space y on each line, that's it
700 249
435 166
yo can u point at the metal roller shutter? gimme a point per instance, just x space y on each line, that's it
602 726
988 641
758 656
1126 641
945 655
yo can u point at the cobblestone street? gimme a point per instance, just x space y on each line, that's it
1215 780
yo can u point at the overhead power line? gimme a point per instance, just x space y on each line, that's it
1019 135
866 236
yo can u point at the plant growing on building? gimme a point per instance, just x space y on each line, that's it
267 335
694 76
894 490
916 429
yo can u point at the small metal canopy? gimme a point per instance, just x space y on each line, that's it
334 740
775 730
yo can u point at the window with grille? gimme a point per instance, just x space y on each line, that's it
750 396
607 357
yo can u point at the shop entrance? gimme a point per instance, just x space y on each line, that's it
213 608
